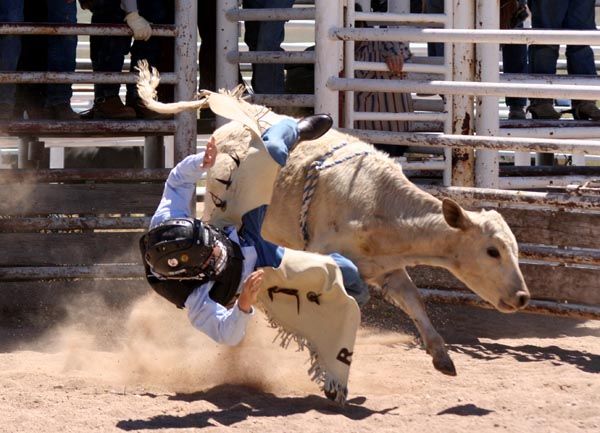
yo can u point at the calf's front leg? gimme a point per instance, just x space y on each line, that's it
399 289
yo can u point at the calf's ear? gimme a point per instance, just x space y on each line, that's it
455 215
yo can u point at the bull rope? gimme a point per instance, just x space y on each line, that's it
312 176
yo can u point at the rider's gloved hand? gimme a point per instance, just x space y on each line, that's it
141 28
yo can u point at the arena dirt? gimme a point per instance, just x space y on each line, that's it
146 368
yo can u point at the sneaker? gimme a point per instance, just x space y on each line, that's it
6 111
543 109
584 110
63 112
113 108
516 113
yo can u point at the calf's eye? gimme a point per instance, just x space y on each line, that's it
493 252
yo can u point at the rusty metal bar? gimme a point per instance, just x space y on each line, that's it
479 36
36 224
27 273
479 142
465 88
186 69
84 174
286 57
270 14
479 196
535 306
283 100
86 128
80 29
78 77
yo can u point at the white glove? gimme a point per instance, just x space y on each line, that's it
141 28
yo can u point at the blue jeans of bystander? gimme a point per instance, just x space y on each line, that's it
266 36
10 47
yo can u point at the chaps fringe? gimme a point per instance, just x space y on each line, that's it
317 372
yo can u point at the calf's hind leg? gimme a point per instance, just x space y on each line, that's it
399 289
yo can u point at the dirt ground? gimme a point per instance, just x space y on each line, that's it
148 370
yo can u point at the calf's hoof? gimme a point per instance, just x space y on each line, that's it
445 365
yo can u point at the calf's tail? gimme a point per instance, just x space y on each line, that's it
147 83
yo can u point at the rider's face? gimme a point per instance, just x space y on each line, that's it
213 258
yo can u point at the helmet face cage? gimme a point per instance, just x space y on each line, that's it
179 248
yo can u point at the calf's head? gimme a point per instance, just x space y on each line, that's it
485 257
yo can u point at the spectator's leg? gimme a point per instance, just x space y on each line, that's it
10 48
580 58
61 58
545 14
108 52
152 50
267 78
34 57
434 49
207 26
514 61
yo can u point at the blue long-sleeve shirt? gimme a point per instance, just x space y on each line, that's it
222 325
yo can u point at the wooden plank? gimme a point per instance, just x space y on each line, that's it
553 227
545 282
78 175
33 273
49 249
36 224
44 295
38 199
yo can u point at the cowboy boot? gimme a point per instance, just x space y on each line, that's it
584 110
313 127
543 109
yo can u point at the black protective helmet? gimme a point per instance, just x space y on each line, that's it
180 248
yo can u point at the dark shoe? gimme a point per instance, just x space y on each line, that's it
113 108
63 112
313 127
37 112
516 113
543 109
585 110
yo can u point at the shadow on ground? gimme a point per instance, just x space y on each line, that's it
236 403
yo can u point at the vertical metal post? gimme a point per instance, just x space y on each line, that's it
328 57
349 71
227 42
487 123
460 66
187 71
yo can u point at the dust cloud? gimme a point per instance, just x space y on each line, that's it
152 344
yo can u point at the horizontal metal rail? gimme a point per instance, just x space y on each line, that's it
80 29
79 77
525 36
558 132
400 18
500 197
283 100
380 116
466 88
36 224
87 174
478 142
540 181
270 14
291 57
409 66
86 128
534 306
580 80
